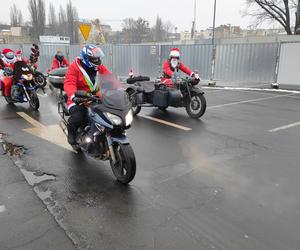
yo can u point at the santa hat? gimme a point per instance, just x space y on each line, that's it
7 50
174 53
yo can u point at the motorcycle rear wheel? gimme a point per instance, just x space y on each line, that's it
196 106
125 167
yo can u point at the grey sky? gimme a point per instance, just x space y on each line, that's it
180 13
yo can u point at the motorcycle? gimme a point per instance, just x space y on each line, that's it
104 137
144 93
23 89
38 77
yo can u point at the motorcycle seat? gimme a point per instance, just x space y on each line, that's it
148 87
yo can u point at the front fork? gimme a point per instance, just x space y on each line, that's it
26 93
111 149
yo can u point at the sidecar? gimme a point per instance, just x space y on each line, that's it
146 93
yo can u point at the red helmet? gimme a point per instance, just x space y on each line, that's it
8 55
19 53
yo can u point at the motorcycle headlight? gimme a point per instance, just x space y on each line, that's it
129 118
114 119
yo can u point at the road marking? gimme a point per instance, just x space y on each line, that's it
174 125
52 133
255 89
285 127
247 101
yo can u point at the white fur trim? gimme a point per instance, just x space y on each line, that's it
174 53
70 106
192 73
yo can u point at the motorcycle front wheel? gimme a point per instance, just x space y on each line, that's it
34 101
39 80
125 166
196 106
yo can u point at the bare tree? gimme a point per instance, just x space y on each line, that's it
72 16
159 32
52 20
275 10
16 18
62 21
37 12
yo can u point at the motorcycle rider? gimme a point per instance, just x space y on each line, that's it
7 61
19 57
172 65
59 61
82 74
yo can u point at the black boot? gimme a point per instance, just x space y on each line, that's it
71 136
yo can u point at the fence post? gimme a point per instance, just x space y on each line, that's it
275 84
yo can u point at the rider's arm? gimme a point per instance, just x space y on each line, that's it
185 69
66 62
54 64
167 69
70 84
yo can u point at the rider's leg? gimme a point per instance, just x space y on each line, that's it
7 85
78 118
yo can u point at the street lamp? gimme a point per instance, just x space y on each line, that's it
212 82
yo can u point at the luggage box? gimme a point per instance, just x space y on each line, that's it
160 98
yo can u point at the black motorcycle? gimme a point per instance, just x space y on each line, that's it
23 89
144 93
104 137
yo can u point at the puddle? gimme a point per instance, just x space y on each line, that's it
9 148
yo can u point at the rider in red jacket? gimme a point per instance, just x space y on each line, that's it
82 74
7 61
59 61
172 65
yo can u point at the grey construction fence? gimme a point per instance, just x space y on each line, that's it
255 62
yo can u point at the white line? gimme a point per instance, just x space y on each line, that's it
285 127
2 208
247 101
174 125
30 120
255 89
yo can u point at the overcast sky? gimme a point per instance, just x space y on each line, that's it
180 13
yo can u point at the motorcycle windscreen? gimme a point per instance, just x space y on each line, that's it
113 94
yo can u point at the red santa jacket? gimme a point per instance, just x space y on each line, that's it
168 70
6 65
75 80
57 64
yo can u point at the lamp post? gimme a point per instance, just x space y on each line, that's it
212 82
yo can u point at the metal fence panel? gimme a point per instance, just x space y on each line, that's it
246 62
142 59
288 71
234 62
197 57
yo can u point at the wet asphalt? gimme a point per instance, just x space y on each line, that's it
228 183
